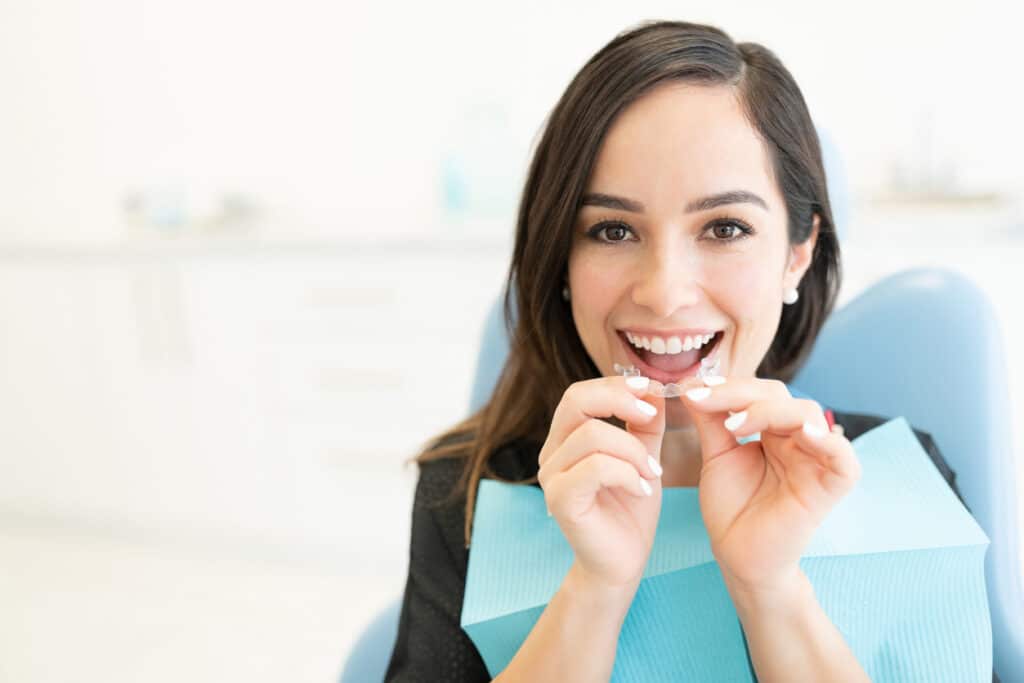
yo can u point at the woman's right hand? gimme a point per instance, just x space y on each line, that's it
593 476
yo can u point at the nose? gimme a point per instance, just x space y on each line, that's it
667 282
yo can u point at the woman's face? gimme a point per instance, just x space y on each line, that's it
655 256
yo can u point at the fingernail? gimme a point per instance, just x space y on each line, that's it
646 488
646 408
638 382
655 465
814 431
733 423
714 380
549 513
698 394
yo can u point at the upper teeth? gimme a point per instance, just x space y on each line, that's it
670 345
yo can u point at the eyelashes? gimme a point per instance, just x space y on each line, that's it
742 230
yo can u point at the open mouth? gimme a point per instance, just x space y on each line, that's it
668 367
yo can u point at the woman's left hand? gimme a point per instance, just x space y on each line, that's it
761 501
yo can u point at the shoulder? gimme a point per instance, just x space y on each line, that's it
439 503
855 424
516 460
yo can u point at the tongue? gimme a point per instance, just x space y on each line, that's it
670 362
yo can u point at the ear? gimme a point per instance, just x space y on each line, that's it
800 256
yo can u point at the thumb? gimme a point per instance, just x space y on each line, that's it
715 439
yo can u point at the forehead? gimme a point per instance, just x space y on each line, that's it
686 141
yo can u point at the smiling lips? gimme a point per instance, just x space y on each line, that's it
671 359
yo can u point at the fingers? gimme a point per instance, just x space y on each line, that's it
781 417
583 454
741 407
709 407
570 494
603 397
596 436
765 406
835 452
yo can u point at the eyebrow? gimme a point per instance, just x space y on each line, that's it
704 204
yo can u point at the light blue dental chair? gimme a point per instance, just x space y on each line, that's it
924 344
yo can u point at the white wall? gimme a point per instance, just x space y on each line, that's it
341 118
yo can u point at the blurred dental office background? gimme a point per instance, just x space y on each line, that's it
246 250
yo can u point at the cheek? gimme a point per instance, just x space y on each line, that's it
749 293
745 289
595 288
594 284
589 304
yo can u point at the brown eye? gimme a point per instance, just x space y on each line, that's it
724 230
610 232
729 230
615 233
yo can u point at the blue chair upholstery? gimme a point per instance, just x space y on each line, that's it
369 658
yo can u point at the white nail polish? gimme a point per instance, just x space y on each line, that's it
655 465
814 431
646 408
646 488
698 394
638 382
714 380
734 422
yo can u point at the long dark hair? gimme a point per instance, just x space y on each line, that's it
545 352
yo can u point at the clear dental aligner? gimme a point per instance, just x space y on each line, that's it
708 368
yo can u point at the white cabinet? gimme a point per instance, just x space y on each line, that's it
253 392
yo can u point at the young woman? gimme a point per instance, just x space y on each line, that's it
675 209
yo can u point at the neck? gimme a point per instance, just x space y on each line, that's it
681 457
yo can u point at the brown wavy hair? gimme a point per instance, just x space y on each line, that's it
545 351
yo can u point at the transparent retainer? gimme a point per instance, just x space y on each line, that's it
708 368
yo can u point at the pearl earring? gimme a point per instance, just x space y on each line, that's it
565 293
790 296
